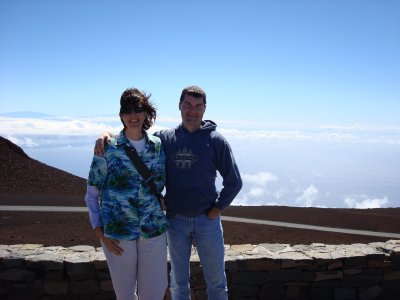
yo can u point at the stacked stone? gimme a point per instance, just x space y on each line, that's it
316 271
37 272
264 271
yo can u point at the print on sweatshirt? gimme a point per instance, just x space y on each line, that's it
184 159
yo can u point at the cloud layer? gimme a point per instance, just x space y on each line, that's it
261 187
363 201
89 126
52 131
322 134
265 188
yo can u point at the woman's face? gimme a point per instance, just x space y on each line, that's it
133 118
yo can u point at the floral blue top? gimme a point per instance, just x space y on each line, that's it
129 209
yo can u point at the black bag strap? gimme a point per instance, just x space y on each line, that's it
143 171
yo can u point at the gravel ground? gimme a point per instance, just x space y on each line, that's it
70 229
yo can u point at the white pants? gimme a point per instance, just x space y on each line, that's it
141 270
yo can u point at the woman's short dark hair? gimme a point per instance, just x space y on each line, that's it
194 91
134 97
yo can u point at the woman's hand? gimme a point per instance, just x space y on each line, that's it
112 245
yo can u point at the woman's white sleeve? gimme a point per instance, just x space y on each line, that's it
92 198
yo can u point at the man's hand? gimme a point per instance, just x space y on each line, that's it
213 213
112 245
100 142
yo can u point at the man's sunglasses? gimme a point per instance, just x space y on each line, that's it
130 108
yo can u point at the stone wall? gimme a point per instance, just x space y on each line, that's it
265 271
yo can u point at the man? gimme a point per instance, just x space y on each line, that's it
195 151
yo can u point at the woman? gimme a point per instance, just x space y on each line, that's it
130 222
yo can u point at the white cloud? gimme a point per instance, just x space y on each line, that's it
280 193
259 179
255 190
243 199
363 201
165 119
265 134
322 134
308 197
24 141
52 131
53 126
362 127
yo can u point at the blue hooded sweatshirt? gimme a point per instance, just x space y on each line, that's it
193 159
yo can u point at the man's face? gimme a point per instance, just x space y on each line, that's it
192 111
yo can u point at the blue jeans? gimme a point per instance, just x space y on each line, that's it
208 239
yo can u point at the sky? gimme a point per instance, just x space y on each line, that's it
306 92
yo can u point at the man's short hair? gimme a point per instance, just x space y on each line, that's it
194 91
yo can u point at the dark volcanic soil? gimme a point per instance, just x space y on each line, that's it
69 229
